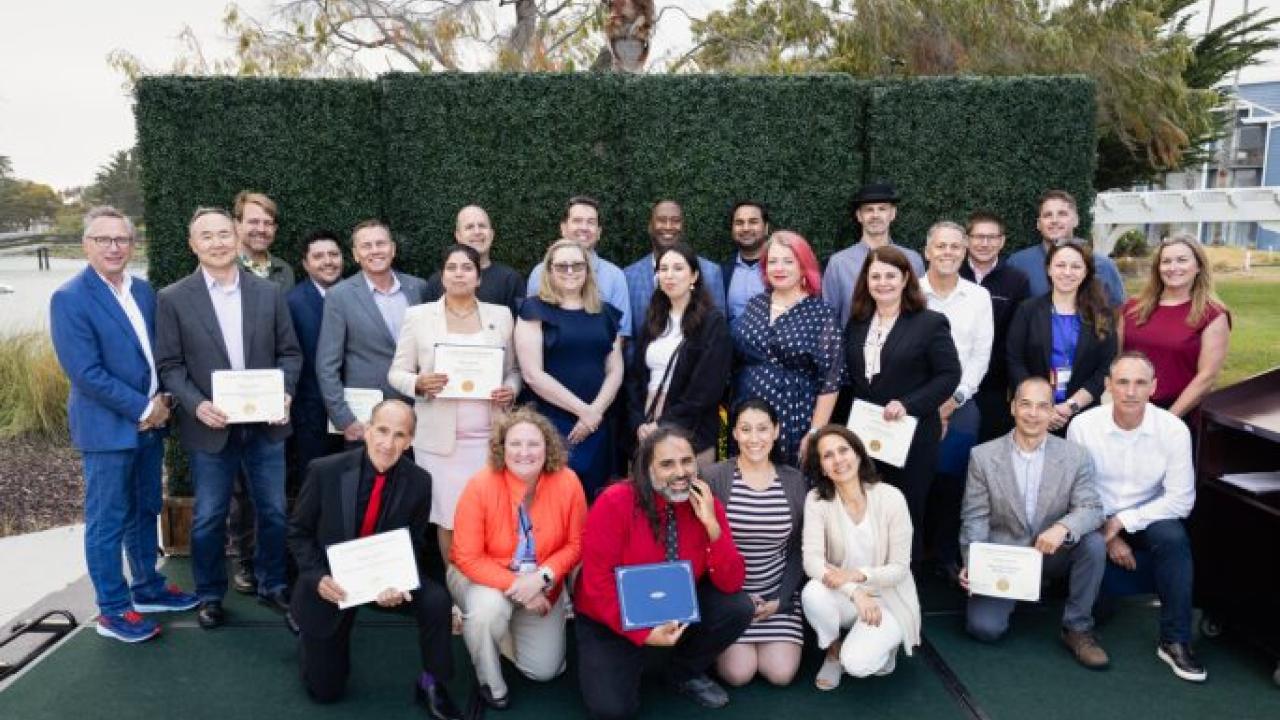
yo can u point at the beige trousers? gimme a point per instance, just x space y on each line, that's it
494 626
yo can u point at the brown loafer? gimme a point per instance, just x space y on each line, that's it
1084 645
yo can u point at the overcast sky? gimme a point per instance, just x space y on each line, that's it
64 112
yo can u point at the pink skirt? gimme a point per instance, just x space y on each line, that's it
450 473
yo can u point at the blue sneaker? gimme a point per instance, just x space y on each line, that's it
171 599
127 627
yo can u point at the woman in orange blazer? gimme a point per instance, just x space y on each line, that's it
517 534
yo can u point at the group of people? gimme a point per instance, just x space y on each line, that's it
599 447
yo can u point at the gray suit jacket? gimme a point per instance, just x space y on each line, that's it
720 478
994 509
355 349
189 347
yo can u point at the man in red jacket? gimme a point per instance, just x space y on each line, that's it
630 524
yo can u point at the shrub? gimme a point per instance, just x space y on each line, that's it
33 388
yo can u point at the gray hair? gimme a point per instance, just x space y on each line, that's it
208 210
945 225
106 211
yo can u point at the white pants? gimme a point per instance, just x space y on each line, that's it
867 650
493 624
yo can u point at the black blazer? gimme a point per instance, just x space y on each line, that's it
919 367
1030 349
726 274
698 382
325 513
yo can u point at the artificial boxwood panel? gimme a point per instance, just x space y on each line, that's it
793 143
517 144
954 145
314 146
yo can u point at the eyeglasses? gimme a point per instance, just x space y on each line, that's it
105 241
984 238
567 268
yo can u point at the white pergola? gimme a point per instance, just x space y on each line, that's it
1116 212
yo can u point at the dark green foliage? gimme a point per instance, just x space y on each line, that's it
415 148
1131 244
955 145
314 146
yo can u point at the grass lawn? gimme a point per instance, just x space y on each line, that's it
1255 333
1254 301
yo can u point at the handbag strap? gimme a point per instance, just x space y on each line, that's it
662 386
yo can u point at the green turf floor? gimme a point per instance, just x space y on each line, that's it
248 669
1030 674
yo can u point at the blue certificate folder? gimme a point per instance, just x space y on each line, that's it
658 593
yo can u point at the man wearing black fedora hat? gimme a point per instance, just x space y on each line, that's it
874 207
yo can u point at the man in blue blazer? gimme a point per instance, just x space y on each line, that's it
666 228
103 325
322 261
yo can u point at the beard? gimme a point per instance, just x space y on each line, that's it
676 496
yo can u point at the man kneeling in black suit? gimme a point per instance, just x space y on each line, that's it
353 494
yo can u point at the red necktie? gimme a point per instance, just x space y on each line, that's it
375 504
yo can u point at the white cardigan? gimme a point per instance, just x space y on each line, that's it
424 326
889 579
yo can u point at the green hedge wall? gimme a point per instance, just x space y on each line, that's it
415 148
956 145
315 146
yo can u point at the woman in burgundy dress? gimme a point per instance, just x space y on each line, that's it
1180 324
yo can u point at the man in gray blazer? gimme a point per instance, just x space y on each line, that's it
223 318
362 318
1034 489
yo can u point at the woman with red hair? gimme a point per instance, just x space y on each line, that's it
787 343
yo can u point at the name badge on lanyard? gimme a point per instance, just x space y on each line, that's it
1061 378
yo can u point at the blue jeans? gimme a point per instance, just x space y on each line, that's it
213 475
1167 557
121 501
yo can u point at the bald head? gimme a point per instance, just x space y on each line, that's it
473 229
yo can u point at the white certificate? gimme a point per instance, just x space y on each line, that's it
1005 571
249 396
366 566
885 441
474 371
360 401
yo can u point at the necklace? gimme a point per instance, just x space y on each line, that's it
475 306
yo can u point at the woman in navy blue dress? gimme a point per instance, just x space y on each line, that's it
787 344
571 359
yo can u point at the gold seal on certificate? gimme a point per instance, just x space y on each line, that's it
1011 572
474 371
886 441
366 566
249 396
360 401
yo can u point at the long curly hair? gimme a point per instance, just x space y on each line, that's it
642 481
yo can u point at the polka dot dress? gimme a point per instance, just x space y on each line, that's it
789 363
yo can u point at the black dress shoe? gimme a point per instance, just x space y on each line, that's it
210 614
278 600
704 691
436 701
243 581
497 703
292 624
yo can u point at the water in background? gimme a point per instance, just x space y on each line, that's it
27 307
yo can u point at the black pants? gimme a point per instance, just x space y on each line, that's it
611 665
326 661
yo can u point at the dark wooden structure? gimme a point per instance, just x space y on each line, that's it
1235 533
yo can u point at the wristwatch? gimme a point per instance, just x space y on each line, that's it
1075 406
547 577
959 397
